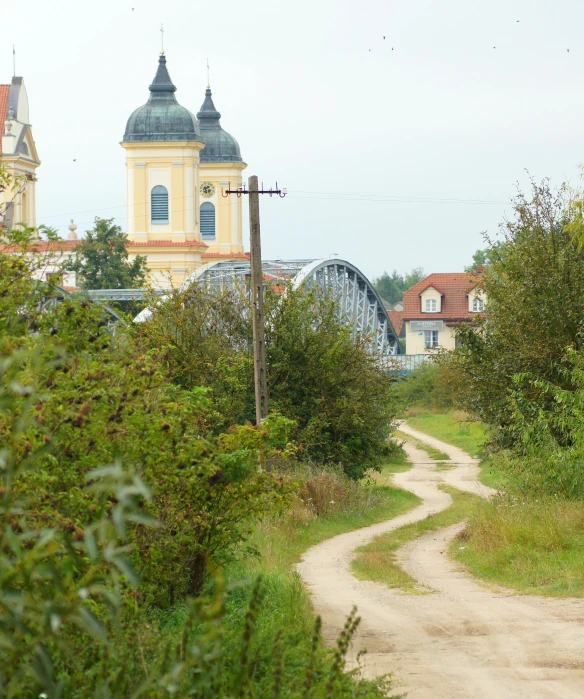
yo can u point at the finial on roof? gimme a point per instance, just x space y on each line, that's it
72 228
208 76
162 39
162 81
208 110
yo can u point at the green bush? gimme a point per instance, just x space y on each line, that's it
427 387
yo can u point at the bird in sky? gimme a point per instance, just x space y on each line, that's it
74 160
568 50
384 37
494 47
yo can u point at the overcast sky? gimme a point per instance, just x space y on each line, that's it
369 135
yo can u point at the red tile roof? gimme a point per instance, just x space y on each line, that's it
4 90
227 255
43 246
167 243
397 320
453 285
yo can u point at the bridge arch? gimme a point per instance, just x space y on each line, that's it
359 303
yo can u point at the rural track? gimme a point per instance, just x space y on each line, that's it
465 639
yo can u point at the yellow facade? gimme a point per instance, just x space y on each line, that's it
175 166
229 236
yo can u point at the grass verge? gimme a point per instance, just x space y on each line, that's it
377 560
432 452
534 547
452 428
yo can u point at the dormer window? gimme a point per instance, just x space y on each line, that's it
431 306
478 305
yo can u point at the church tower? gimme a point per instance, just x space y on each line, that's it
177 167
18 155
162 143
221 167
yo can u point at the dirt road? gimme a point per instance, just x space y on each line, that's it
464 640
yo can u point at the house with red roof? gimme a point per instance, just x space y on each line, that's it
436 306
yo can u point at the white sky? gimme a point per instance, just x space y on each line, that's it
442 116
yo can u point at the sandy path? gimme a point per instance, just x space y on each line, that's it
465 640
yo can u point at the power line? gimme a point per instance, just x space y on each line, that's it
335 196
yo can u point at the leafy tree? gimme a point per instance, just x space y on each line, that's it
327 381
534 288
319 375
392 287
101 259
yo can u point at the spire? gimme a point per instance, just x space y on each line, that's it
208 113
162 81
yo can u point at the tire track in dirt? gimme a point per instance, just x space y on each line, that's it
464 640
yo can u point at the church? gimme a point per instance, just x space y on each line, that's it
177 165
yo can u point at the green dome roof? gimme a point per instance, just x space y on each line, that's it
220 147
162 118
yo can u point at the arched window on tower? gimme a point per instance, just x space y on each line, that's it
159 204
207 220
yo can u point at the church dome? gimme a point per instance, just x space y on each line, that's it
162 118
220 147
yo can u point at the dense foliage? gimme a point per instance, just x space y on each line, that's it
120 482
101 259
534 289
392 287
321 377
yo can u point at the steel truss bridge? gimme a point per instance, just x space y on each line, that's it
359 303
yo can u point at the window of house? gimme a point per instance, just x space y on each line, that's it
431 306
207 220
478 305
430 339
159 204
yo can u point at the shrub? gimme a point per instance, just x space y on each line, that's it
429 387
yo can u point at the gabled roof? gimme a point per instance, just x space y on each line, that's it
454 287
4 90
431 286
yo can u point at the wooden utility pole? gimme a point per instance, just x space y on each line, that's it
257 291
257 302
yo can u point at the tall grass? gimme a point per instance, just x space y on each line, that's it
533 546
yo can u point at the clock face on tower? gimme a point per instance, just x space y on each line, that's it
207 189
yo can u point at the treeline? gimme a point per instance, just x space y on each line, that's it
130 475
392 287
